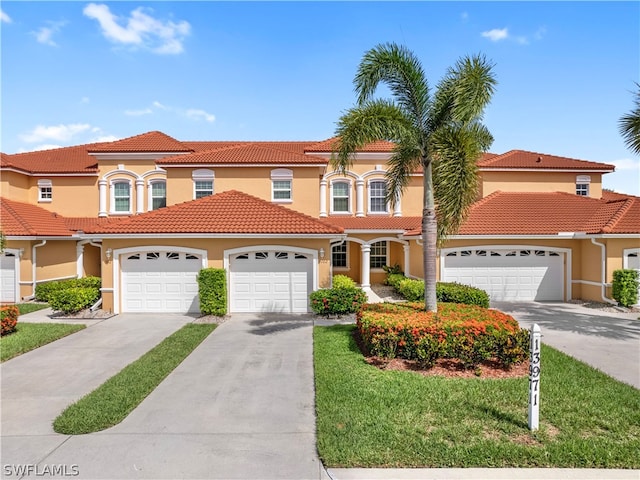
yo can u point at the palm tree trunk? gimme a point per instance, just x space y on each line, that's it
429 238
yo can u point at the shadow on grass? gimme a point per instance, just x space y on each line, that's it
501 415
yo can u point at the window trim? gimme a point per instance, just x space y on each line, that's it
150 193
332 209
42 184
112 188
346 253
386 255
369 189
281 175
583 185
203 175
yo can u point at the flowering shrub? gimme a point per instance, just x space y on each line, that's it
8 319
469 333
337 301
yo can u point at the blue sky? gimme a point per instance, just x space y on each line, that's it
77 72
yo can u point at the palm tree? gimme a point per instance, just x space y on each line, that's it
440 134
629 125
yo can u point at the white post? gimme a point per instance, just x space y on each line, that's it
534 378
102 188
139 196
323 198
359 198
407 261
365 268
79 260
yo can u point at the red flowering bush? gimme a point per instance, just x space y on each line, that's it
8 319
468 333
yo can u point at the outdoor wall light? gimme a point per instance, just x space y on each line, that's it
108 253
322 253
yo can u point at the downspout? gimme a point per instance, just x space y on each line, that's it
603 268
33 269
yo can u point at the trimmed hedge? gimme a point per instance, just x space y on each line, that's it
212 288
45 290
342 281
625 287
446 292
8 319
468 333
74 299
337 301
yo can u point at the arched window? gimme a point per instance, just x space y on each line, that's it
120 196
281 185
202 183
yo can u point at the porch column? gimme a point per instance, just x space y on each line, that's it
407 265
397 209
323 198
359 198
365 268
79 260
102 208
139 196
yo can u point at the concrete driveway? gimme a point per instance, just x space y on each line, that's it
240 406
607 341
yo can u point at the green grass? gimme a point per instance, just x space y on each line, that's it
30 307
29 336
367 417
112 401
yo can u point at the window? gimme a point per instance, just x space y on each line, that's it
262 255
281 255
339 255
121 197
202 183
281 185
377 196
158 195
340 197
378 255
45 190
173 256
582 189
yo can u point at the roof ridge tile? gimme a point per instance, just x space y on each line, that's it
613 221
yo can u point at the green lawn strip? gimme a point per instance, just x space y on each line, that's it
367 417
31 307
112 401
29 336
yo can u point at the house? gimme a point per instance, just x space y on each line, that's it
146 213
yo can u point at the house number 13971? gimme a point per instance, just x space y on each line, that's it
534 378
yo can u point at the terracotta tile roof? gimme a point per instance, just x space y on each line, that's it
245 153
86 224
146 142
200 146
374 223
230 212
509 213
517 159
327 146
23 219
57 160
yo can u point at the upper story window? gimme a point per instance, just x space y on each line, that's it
378 255
378 196
339 255
202 183
582 185
45 191
340 197
158 194
121 196
281 185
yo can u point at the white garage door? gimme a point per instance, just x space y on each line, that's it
509 274
159 281
8 278
270 281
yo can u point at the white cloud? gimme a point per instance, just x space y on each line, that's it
140 29
464 16
138 113
60 133
4 18
45 146
44 34
627 164
104 138
159 105
496 34
198 114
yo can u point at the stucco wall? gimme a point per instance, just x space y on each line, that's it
71 196
537 182
15 186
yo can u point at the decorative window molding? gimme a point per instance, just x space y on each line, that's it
157 192
377 196
378 255
45 191
282 185
340 196
202 182
120 196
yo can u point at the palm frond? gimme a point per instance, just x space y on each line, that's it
371 121
399 69
629 125
406 160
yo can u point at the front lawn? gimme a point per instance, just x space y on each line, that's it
367 417
29 336
31 307
112 401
